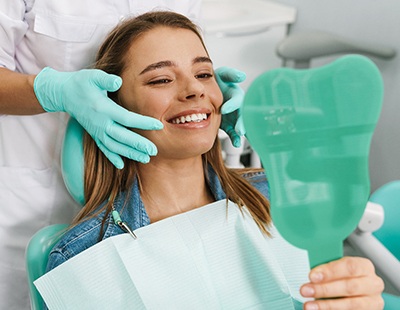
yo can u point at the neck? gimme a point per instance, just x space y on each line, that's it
173 187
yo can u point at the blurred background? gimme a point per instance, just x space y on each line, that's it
245 35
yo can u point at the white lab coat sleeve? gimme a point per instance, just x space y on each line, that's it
12 30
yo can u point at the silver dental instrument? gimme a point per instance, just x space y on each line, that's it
120 223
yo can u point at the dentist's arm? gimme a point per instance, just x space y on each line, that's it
16 94
347 283
82 94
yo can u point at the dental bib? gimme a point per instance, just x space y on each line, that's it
213 257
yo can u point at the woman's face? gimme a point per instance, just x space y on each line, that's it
170 77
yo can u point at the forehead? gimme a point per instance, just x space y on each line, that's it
165 43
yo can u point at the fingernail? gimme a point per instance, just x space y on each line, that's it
241 76
151 150
307 291
311 306
117 83
226 109
241 133
119 165
237 142
316 277
158 126
144 159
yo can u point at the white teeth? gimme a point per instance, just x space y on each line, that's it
190 118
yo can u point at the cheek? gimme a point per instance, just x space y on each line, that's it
216 97
150 104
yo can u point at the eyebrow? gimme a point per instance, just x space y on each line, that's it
168 63
202 59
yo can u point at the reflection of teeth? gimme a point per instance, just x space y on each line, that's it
190 118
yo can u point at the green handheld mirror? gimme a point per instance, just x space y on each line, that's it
312 130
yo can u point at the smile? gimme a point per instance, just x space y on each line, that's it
196 117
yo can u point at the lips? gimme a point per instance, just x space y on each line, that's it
190 116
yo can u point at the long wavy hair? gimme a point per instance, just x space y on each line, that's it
103 182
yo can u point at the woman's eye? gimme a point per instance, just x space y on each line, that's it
160 81
204 76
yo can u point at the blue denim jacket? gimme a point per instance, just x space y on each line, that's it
87 233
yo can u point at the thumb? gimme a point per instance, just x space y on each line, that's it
105 81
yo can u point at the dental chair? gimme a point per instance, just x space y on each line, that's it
37 253
388 196
298 49
40 245
377 237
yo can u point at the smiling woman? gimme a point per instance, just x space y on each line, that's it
167 74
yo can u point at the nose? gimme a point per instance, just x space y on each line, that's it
192 89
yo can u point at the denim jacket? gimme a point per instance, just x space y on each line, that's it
87 233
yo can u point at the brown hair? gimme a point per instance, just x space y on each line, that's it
103 181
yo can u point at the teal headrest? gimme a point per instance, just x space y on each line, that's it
72 160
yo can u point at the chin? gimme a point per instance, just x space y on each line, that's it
200 149
188 150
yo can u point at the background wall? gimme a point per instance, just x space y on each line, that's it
372 21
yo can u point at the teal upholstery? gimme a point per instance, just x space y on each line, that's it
388 196
42 242
72 163
37 254
392 302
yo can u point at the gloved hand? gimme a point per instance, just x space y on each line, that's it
83 94
232 124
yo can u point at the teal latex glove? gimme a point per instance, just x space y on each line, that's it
83 95
232 124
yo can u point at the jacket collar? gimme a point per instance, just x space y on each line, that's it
131 208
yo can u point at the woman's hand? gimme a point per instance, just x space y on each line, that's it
347 283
